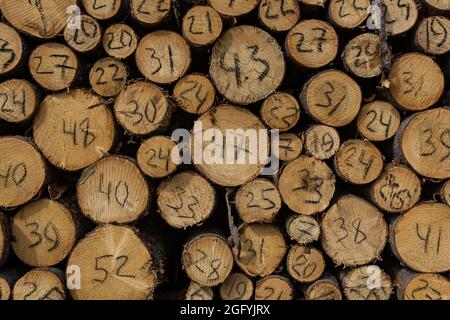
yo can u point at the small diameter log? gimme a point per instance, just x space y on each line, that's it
195 94
73 129
445 192
397 190
40 284
400 16
105 9
439 5
420 238
5 239
42 19
197 292
279 15
290 146
247 64
354 232
303 229
378 121
150 12
185 199
321 142
233 8
261 250
22 171
326 288
113 190
348 14
307 185
108 77
366 283
358 161
331 97
432 35
423 142
163 56
361 56
229 163
421 286
312 43
85 37
120 41
280 111
155 157
305 264
12 52
53 66
237 287
44 233
274 288
142 108
416 82
258 201
19 100
207 259
313 3
8 277
202 26
113 263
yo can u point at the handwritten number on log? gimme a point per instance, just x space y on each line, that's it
259 204
49 233
16 173
4 50
119 263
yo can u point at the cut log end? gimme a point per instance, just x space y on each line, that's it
261 250
420 239
113 190
151 12
439 5
186 199
22 171
258 201
422 141
445 192
290 146
103 11
19 100
54 66
84 37
366 283
326 288
416 82
113 263
73 129
108 77
233 8
207 259
279 16
303 229
378 121
274 288
397 190
348 14
358 162
195 94
280 111
197 292
398 19
163 56
237 287
307 185
312 43
142 108
202 26
321 142
354 232
305 264
361 56
44 233
410 286
431 35
120 41
40 284
12 49
332 98
237 55
158 157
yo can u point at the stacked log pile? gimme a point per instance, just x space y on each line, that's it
102 197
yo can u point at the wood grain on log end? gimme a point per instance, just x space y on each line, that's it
378 121
86 37
279 16
366 283
20 99
303 229
361 56
305 264
280 111
40 284
108 77
202 26
274 287
237 287
326 288
290 146
195 93
156 157
120 41
421 286
322 142
12 49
